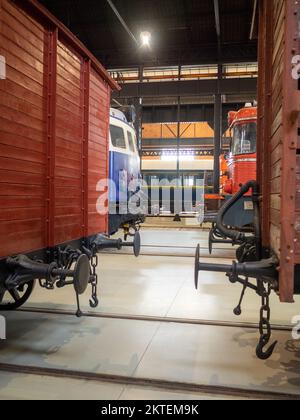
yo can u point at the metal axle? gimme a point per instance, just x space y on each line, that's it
103 242
23 268
259 270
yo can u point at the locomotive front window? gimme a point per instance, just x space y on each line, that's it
244 139
131 142
117 137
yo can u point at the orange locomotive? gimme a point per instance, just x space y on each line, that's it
242 158
235 170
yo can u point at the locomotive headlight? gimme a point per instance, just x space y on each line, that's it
145 39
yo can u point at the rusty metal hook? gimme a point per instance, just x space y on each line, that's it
94 302
260 353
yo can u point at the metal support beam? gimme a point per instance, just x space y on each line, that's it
178 135
117 102
218 135
138 104
253 19
217 142
177 216
123 23
217 18
188 88
139 111
218 27
178 128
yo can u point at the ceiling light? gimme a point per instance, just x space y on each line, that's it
145 39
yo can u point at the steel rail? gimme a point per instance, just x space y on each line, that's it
142 254
150 318
184 247
229 252
161 384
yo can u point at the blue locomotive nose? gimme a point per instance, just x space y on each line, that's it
124 173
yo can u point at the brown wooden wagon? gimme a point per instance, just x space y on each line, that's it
271 255
54 121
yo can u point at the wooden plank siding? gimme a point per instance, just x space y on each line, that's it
279 164
54 121
22 133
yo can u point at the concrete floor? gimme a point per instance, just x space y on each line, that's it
203 355
36 387
152 286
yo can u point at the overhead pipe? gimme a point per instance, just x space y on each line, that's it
236 235
124 24
217 18
253 20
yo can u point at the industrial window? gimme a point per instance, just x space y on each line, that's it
244 139
125 75
131 142
117 137
245 70
199 72
161 74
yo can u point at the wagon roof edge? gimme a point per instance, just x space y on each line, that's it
46 15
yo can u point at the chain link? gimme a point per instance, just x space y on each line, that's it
94 279
265 315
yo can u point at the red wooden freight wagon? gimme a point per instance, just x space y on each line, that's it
268 259
54 122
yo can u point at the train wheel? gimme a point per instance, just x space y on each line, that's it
14 299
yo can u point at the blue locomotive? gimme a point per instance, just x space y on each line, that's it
124 174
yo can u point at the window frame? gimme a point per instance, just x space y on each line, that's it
241 126
125 148
131 142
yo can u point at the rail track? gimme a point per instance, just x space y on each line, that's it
178 251
163 385
149 318
145 382
183 247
